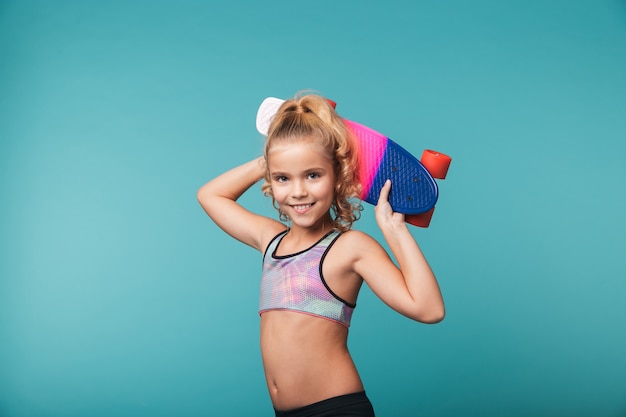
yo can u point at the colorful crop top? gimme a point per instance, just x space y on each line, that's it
295 282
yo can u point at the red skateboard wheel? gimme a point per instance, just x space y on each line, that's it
436 163
421 219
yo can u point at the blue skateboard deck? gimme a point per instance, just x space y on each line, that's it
413 188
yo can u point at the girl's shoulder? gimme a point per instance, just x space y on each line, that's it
354 250
356 236
356 243
270 232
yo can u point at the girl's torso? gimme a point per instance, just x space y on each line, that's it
305 357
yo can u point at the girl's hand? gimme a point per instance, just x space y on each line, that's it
385 216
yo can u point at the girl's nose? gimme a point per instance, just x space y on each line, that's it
299 189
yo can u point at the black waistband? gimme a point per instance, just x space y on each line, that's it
355 404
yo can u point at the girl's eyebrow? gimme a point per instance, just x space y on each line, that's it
306 170
315 169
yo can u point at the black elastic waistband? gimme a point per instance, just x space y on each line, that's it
356 402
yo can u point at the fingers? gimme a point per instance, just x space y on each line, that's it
384 192
385 216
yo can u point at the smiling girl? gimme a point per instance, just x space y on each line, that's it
313 267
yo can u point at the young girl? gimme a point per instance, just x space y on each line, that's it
314 268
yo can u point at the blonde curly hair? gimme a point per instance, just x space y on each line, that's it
311 117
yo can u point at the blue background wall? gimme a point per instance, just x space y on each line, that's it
118 296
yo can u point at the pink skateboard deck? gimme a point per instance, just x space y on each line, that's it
414 191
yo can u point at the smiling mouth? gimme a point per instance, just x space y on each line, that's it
301 208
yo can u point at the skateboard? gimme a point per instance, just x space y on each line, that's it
414 191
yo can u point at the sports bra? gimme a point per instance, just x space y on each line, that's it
295 282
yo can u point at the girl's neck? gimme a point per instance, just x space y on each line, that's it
303 236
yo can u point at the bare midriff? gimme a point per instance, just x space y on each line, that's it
306 359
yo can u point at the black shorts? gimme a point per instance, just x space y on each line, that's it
349 405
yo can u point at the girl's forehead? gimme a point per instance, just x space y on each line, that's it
300 152
300 146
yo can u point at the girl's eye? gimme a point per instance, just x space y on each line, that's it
313 175
280 178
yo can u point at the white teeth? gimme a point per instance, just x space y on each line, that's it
302 207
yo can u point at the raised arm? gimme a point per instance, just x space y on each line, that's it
411 289
219 197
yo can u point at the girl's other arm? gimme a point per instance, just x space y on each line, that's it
411 289
219 197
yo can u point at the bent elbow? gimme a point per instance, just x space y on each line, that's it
204 195
201 194
435 318
205 199
430 316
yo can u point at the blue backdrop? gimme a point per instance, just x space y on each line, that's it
118 296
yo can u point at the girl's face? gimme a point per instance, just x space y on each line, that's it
303 182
